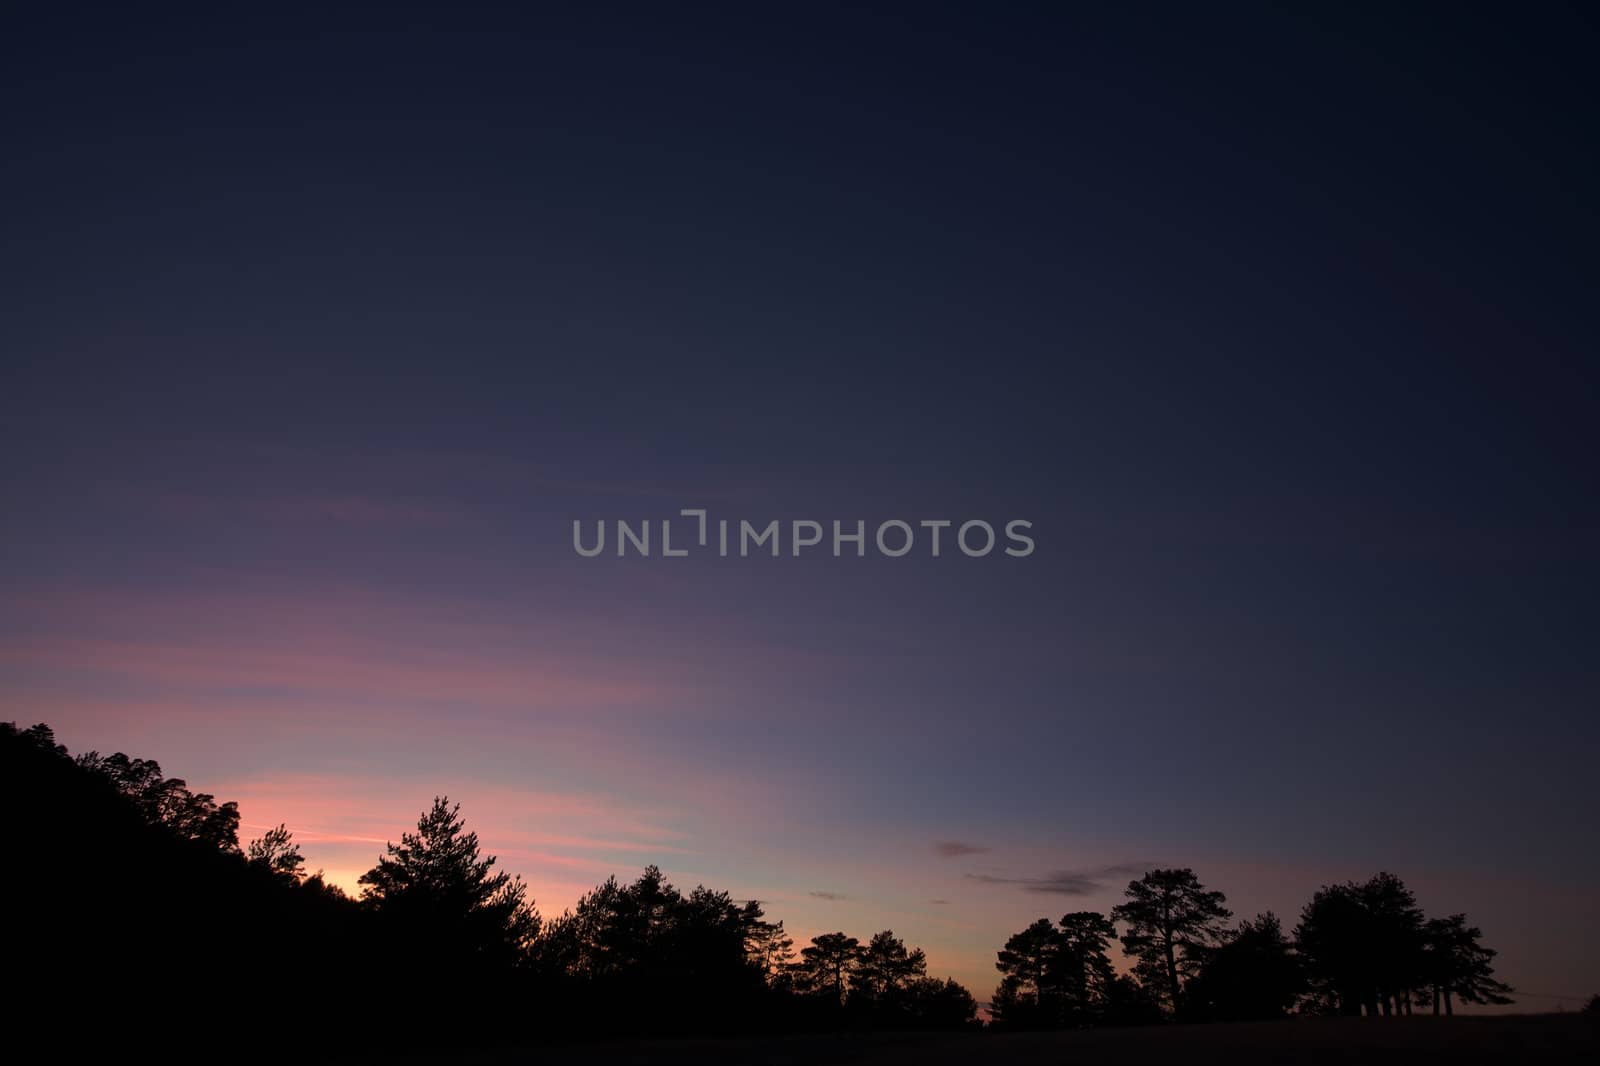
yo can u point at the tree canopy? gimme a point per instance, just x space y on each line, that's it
1057 974
1173 921
438 885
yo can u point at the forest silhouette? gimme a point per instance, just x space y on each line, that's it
136 904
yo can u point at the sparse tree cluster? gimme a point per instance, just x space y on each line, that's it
1368 948
1060 975
1359 948
881 981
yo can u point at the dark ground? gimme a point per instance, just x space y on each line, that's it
1538 1038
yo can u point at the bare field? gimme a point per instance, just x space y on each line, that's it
1536 1038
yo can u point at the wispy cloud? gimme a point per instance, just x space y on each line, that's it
350 669
951 849
348 509
831 897
1066 882
362 511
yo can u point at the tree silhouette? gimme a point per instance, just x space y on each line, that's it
437 880
1056 975
1079 975
167 801
1173 920
1130 1003
40 737
826 963
930 1003
1454 965
884 967
1253 976
708 941
646 956
1331 940
1362 946
276 852
1394 938
138 909
769 949
1022 962
160 864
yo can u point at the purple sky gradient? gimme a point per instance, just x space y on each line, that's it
1276 326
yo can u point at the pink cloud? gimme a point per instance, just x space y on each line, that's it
350 668
247 615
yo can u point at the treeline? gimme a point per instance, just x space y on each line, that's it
1359 948
141 910
132 913
132 902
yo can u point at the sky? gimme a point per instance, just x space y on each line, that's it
322 329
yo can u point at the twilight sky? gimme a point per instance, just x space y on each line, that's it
321 331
